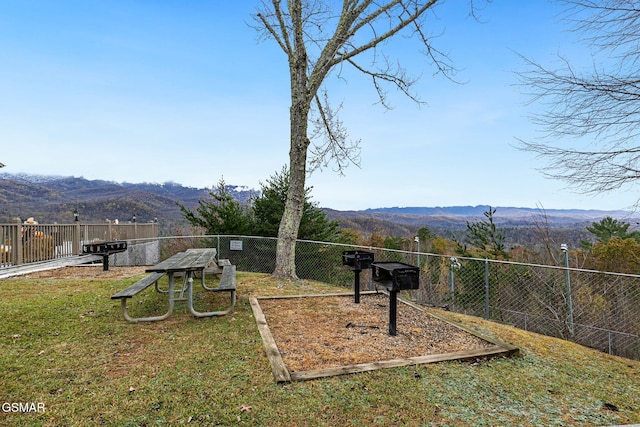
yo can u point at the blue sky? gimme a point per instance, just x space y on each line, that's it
183 91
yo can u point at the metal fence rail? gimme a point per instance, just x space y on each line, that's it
596 309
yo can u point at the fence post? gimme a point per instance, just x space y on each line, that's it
486 288
18 256
453 265
17 242
565 249
75 245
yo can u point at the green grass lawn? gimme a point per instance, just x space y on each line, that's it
66 346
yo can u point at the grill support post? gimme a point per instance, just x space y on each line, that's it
395 276
393 310
104 249
357 260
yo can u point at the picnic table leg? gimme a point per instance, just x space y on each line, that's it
162 291
123 302
182 289
210 313
207 288
185 285
202 279
204 286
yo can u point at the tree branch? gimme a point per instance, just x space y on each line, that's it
335 146
599 107
281 38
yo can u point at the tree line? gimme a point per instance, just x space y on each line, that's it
612 245
220 213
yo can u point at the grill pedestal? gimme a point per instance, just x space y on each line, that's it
358 261
105 249
395 276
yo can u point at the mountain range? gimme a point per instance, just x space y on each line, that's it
51 199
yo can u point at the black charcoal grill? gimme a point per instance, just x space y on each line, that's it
358 261
105 249
396 277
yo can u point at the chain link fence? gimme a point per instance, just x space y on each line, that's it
595 309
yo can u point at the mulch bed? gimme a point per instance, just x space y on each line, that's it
326 332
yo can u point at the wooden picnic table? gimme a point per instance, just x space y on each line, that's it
186 265
188 261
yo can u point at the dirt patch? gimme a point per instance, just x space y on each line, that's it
87 272
327 332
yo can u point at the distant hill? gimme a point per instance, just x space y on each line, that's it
479 211
507 216
52 199
457 216
518 225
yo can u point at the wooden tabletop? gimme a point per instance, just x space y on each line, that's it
191 260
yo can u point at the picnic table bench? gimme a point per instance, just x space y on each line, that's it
185 264
139 286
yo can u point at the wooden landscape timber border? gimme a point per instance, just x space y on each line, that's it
281 374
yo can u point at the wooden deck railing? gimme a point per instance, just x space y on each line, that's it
24 243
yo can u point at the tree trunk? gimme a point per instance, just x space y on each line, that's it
294 206
290 223
301 97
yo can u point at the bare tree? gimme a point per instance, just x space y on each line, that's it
601 104
324 37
